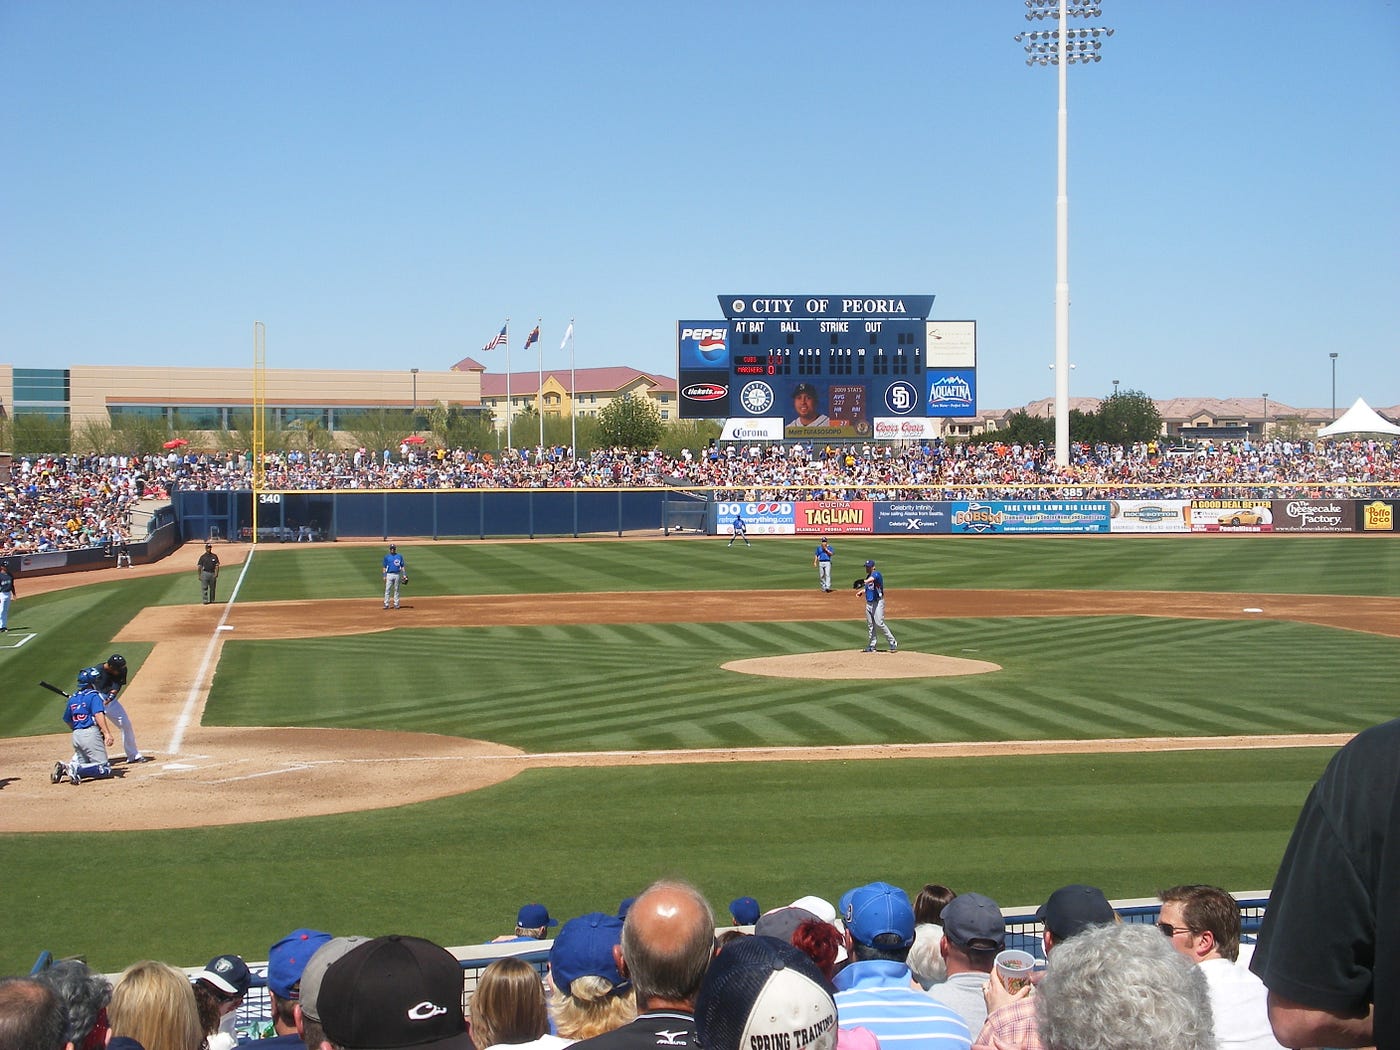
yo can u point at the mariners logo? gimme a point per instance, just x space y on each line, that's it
901 398
756 397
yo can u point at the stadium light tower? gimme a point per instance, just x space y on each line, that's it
1062 47
1333 356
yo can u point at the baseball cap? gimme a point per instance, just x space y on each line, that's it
624 906
878 910
804 388
744 910
870 563
1073 908
760 991
584 948
533 916
288 958
228 973
781 923
394 992
393 547
971 920
316 968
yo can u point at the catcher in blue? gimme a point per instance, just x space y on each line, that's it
395 573
91 734
740 532
874 586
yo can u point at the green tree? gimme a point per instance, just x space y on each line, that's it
694 434
630 422
1127 416
33 433
375 429
1020 427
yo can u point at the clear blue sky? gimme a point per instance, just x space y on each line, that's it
383 184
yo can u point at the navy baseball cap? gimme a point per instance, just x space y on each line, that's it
878 910
584 948
288 958
1071 909
973 921
228 973
533 916
870 563
804 388
744 910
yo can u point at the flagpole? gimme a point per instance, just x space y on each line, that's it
539 390
509 406
573 398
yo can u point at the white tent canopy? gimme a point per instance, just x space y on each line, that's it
1360 418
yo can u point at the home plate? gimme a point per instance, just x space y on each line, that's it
1254 610
178 766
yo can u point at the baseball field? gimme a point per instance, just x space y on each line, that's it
566 721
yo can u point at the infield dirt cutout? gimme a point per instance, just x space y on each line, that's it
219 775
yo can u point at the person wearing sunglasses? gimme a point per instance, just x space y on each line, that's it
1203 924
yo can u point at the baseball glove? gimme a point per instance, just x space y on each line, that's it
858 584
403 579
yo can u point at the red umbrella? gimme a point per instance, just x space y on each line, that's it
414 439
175 443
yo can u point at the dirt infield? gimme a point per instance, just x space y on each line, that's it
209 776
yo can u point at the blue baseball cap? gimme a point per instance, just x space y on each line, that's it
878 910
744 910
584 948
870 563
533 916
288 958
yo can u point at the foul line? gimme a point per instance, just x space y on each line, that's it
192 699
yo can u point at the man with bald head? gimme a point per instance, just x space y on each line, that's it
668 940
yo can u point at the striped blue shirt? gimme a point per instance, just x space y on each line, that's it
878 995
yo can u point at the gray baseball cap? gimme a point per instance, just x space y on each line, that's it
316 968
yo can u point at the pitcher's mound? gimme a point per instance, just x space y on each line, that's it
852 663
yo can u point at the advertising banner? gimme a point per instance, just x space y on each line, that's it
1002 517
1230 515
762 518
1148 515
1377 515
1314 515
831 517
897 428
752 430
913 517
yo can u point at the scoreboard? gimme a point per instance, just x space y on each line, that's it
818 367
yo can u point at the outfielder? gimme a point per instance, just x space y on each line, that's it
822 560
111 680
740 532
395 573
91 734
7 595
874 585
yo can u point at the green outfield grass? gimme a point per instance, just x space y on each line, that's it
457 869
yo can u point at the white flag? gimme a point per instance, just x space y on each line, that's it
568 334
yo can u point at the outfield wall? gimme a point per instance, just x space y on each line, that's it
483 513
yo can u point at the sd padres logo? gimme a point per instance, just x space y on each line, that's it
901 398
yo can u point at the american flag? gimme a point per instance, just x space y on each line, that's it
533 337
498 340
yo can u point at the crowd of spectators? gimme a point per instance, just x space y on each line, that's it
63 502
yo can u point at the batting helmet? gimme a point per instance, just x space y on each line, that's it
87 676
116 660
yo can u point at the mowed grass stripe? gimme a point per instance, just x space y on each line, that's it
1262 564
627 685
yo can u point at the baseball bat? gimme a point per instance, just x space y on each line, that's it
54 689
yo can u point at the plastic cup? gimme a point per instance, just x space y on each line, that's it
1015 968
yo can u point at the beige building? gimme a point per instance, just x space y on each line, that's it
212 399
596 389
